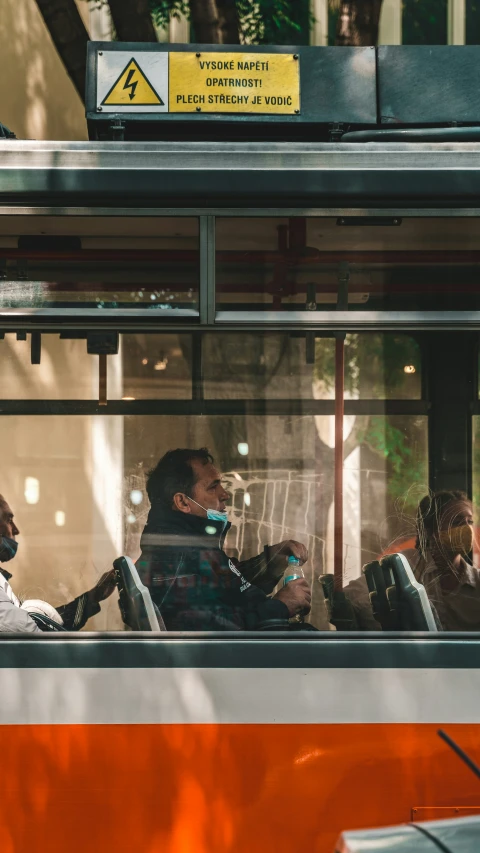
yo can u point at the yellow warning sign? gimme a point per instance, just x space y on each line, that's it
133 88
234 82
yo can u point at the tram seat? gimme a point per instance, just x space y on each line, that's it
399 602
136 606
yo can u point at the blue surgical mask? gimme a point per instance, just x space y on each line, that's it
8 548
216 515
213 514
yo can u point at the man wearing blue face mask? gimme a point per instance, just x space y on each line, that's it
15 616
193 582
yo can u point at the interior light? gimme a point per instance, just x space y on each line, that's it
246 499
144 360
32 490
409 368
60 518
131 518
161 364
128 398
242 448
237 476
136 497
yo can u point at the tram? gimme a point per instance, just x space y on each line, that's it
296 289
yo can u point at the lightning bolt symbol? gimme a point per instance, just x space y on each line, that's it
129 85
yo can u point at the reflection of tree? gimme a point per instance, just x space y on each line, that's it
374 369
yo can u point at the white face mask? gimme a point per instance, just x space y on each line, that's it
213 514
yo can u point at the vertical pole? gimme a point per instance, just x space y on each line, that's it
179 29
456 21
319 28
102 380
207 305
390 25
338 465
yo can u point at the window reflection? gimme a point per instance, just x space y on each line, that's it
295 264
88 263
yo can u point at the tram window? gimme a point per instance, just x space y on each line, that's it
101 263
155 367
66 371
147 366
281 264
77 482
274 366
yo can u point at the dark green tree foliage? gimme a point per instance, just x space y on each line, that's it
424 22
472 23
265 22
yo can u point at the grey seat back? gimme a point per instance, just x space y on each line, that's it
136 605
399 602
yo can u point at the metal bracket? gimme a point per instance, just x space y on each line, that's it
116 130
102 344
343 279
336 131
311 303
36 348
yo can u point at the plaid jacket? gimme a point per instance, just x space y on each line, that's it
196 586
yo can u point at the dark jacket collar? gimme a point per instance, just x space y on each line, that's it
173 522
6 575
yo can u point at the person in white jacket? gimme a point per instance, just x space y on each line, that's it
15 615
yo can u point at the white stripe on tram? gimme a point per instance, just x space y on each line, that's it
93 696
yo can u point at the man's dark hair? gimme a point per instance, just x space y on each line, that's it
429 513
174 473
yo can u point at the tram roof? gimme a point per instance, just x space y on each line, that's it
243 176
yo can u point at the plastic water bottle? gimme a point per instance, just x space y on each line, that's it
293 570
292 573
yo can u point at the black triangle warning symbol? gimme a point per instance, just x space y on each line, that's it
132 88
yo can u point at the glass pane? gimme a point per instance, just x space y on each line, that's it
377 367
148 366
274 366
472 23
155 367
77 482
424 22
78 490
299 264
66 371
250 366
100 263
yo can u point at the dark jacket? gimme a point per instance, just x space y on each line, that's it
13 618
196 586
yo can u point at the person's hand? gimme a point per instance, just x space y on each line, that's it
289 548
104 588
297 596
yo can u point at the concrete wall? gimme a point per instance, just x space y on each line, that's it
38 99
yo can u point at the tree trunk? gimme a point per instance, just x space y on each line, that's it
229 23
69 36
205 20
358 22
132 20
